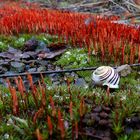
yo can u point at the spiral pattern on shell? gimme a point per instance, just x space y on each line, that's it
106 75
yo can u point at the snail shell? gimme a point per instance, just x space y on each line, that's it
106 75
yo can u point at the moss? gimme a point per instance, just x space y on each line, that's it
78 58
131 82
18 41
125 100
61 98
133 136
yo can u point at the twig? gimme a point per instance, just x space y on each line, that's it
58 71
89 5
91 135
118 5
94 4
134 5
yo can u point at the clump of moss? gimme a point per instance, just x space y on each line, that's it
18 41
131 82
32 116
78 58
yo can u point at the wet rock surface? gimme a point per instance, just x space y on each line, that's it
36 56
124 70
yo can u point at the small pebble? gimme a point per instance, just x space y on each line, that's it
128 130
106 138
94 116
103 115
103 122
106 109
98 109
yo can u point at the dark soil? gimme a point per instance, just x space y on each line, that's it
97 124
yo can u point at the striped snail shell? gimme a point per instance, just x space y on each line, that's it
106 75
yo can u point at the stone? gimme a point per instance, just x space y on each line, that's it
88 115
124 70
128 130
94 116
17 66
106 138
80 82
13 50
106 109
32 70
98 109
42 47
43 62
41 68
31 44
9 73
22 55
103 115
6 55
3 69
50 55
31 54
103 122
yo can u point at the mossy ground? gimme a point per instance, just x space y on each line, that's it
123 102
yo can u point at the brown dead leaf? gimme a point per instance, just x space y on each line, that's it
56 49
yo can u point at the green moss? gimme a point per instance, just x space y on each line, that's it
133 136
125 100
78 58
131 82
61 98
18 41
75 58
